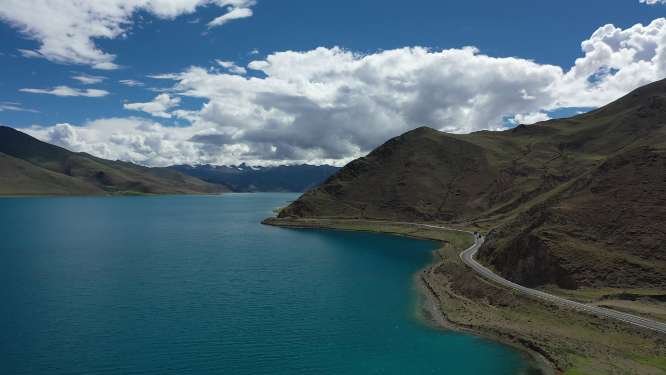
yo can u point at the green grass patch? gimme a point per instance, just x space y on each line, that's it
661 363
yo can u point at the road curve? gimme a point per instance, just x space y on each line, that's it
467 256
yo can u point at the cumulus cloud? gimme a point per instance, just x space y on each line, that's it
133 139
616 61
333 105
66 28
68 91
87 79
232 67
157 107
131 82
653 1
529 118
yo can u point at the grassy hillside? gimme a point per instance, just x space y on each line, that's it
574 202
603 229
112 177
19 178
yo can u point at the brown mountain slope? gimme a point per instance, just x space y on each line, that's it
19 178
604 229
569 200
417 176
114 177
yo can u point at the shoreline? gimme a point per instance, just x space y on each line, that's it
113 196
550 334
533 359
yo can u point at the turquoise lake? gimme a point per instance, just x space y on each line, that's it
195 285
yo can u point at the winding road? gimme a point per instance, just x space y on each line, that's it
467 256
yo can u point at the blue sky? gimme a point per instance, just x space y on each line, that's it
196 92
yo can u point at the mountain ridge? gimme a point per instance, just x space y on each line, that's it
282 178
103 177
542 191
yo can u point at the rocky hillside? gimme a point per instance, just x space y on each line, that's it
572 202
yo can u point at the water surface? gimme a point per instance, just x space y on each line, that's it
195 285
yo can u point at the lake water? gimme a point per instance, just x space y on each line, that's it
195 285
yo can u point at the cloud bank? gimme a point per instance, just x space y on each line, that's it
332 105
66 28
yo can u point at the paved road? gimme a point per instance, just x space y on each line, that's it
467 256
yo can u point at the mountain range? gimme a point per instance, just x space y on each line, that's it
283 178
575 202
30 167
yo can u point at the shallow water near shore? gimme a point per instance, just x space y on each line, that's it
195 285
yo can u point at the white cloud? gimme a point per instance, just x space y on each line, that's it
132 139
68 91
615 62
232 67
332 105
529 118
157 107
653 1
66 29
131 82
234 13
11 106
87 79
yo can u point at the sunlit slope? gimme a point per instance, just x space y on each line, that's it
19 178
574 202
114 177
